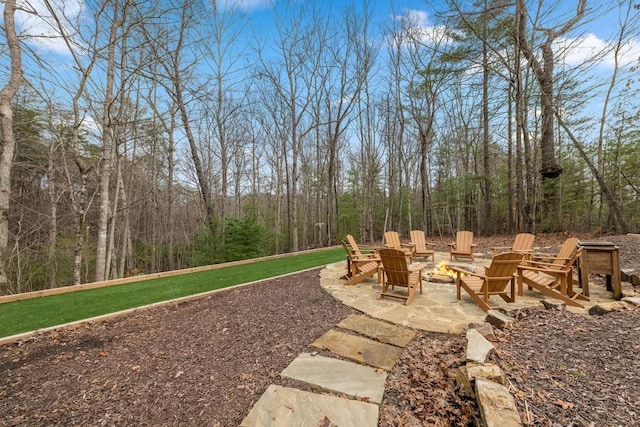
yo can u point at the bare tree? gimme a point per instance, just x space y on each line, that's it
226 101
107 139
171 49
290 71
427 73
7 93
348 64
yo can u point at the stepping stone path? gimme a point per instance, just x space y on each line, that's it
359 349
373 355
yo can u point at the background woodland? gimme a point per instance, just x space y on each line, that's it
167 134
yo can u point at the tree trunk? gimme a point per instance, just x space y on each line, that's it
106 162
550 169
8 140
53 227
486 155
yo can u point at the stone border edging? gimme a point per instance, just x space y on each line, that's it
486 382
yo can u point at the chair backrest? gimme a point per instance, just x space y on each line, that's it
523 242
394 266
501 270
392 239
566 252
354 246
464 241
346 249
418 239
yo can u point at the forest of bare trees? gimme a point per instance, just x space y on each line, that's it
150 136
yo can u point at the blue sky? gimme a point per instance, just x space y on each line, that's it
590 37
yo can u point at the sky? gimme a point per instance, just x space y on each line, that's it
589 38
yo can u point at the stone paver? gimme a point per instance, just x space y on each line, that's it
359 349
376 329
338 376
288 407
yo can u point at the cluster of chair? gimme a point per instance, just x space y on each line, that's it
394 263
550 274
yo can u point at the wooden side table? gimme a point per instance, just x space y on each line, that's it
601 258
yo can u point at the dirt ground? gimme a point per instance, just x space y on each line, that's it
206 362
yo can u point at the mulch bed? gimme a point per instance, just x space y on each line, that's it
574 370
206 362
202 362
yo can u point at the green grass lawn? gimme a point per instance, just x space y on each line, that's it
31 314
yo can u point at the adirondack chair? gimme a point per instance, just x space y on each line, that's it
392 240
396 271
359 268
361 252
523 243
420 245
554 278
494 281
463 246
566 251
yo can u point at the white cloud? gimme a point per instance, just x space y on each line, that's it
421 29
36 22
244 5
590 47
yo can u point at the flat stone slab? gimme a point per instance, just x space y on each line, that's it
496 404
378 330
478 347
359 349
338 376
288 407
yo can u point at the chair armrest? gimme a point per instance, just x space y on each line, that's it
464 271
541 264
368 249
543 256
417 267
542 270
365 258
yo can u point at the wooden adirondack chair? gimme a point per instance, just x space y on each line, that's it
392 240
564 253
494 281
553 278
360 267
396 271
361 252
420 245
463 246
523 243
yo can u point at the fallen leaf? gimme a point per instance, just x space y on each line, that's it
103 354
563 404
